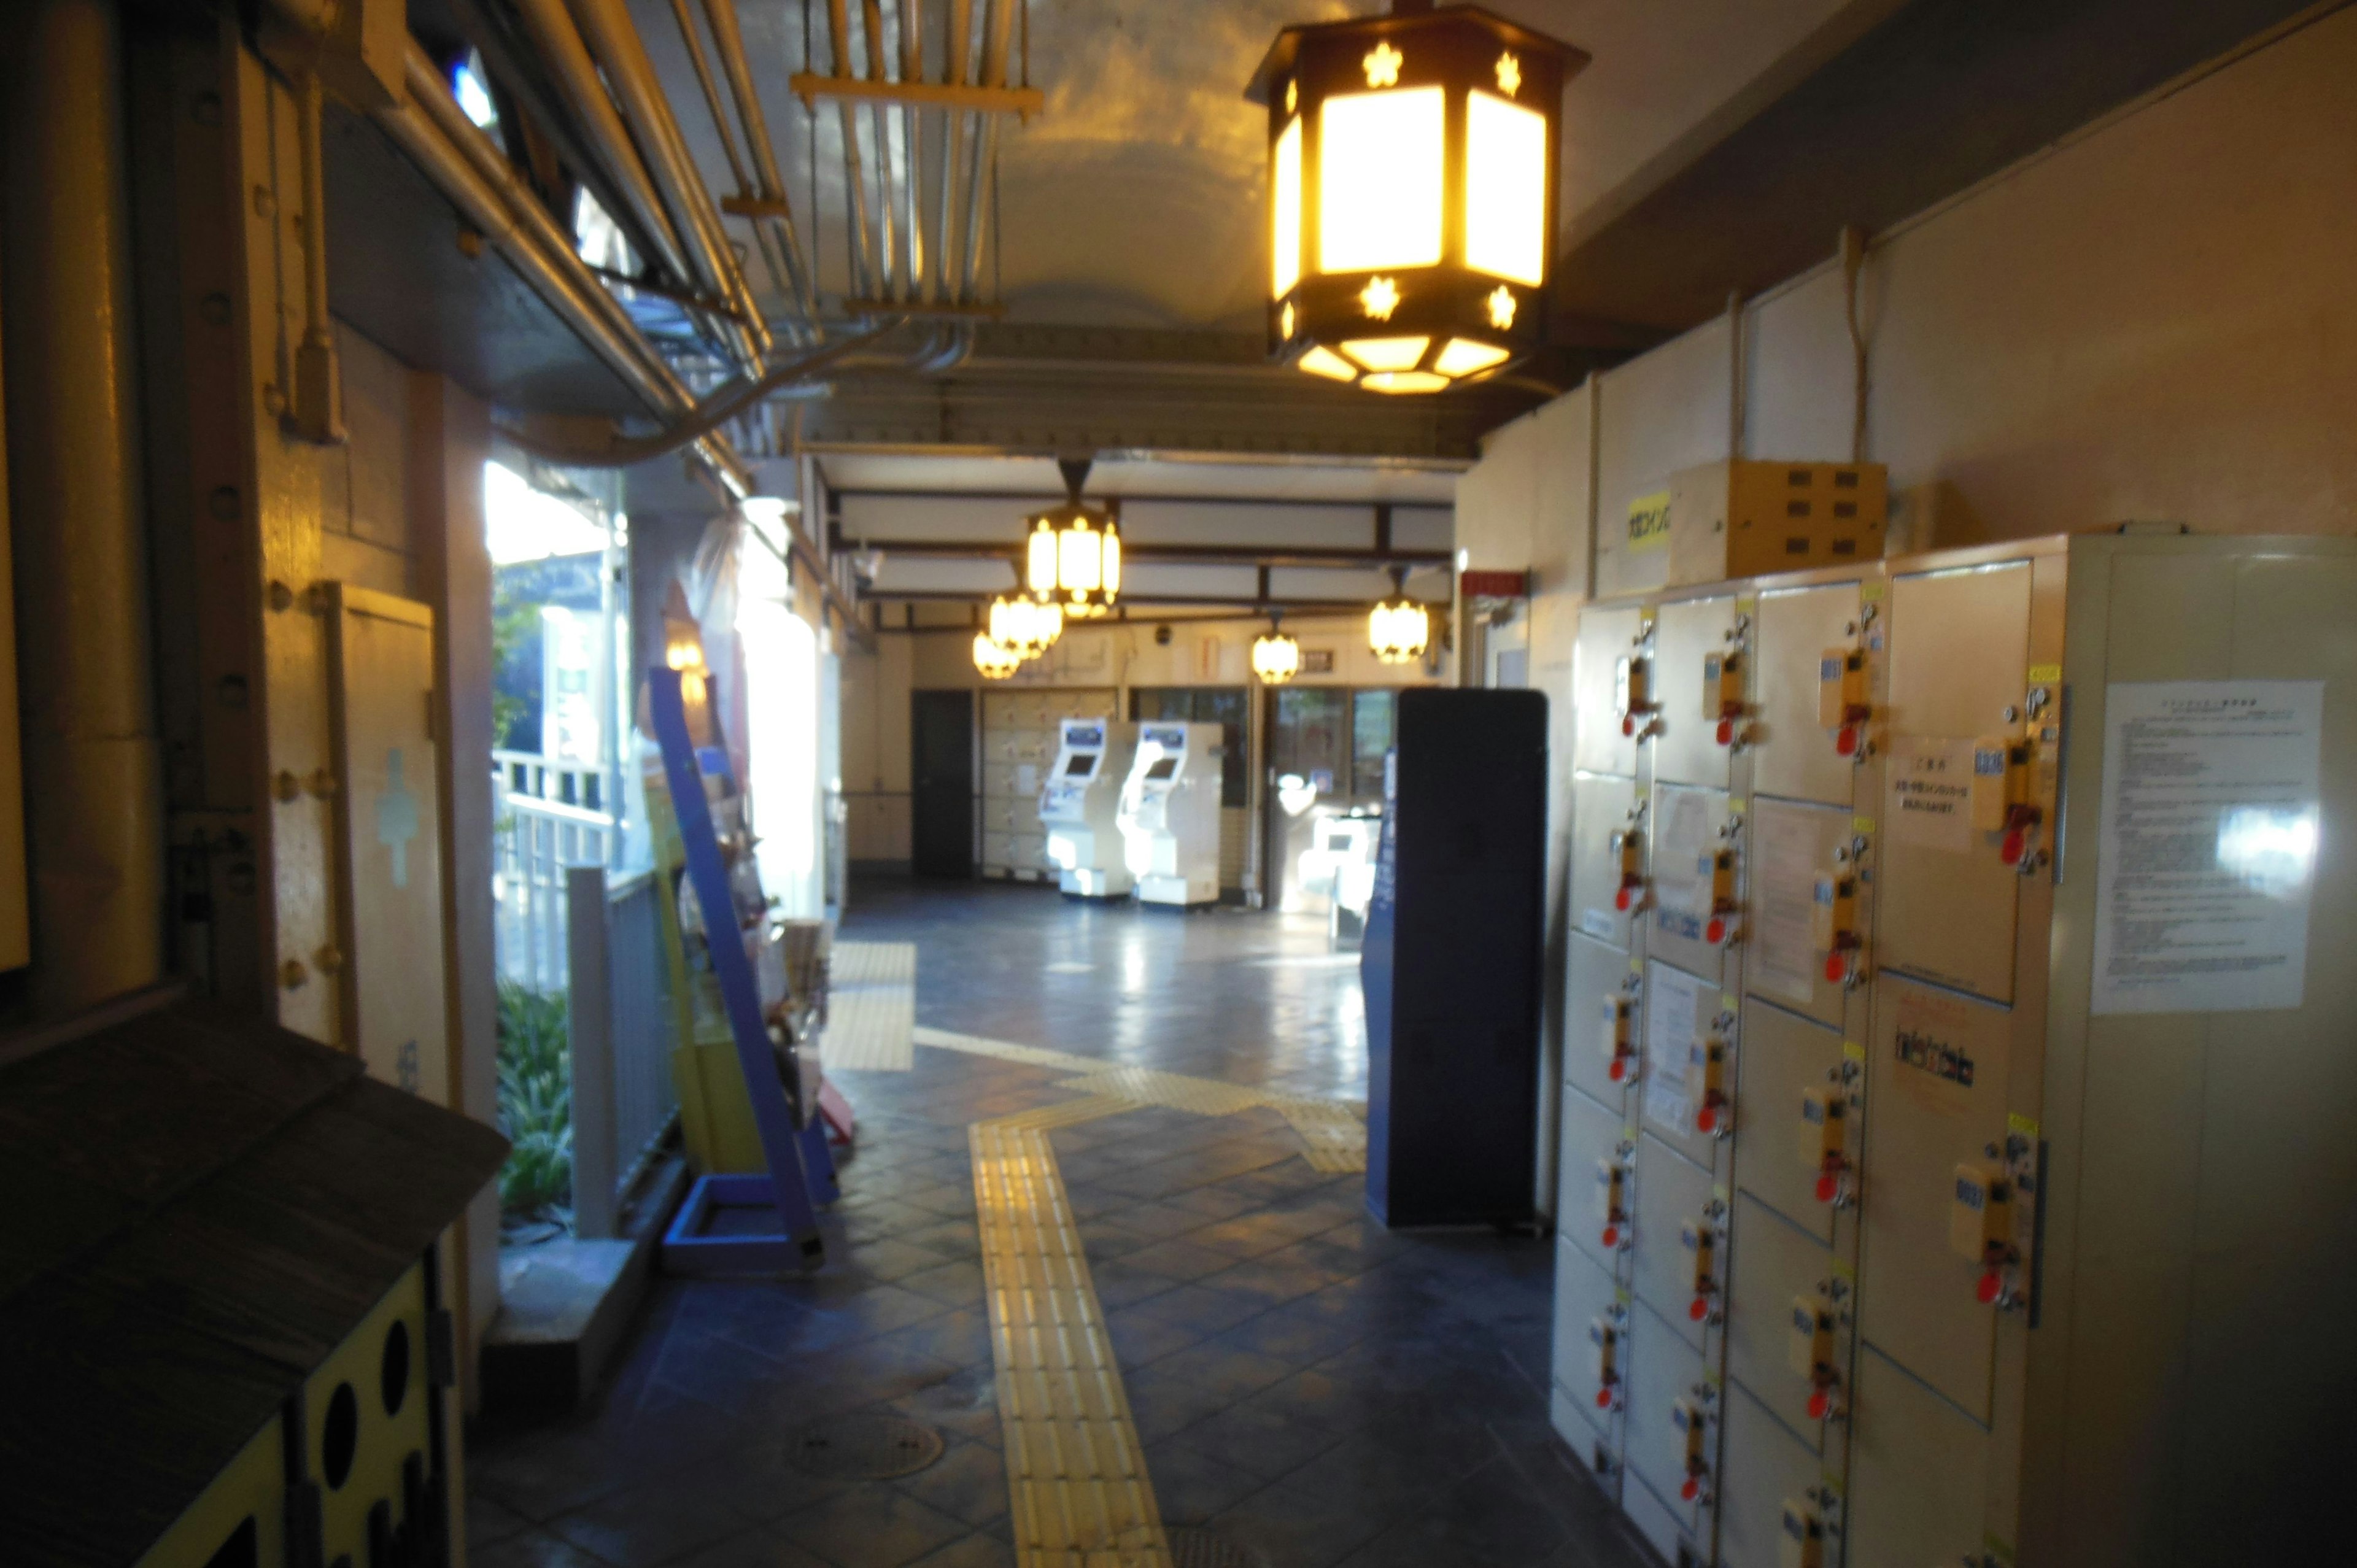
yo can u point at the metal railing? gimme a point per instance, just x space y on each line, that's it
547 819
620 1035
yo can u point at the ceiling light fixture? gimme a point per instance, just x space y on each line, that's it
1025 627
1413 162
1275 656
1398 629
994 662
1072 557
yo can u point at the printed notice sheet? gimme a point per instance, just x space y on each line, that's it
1674 1012
2208 844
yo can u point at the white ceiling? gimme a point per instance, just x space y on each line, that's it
1137 199
1380 481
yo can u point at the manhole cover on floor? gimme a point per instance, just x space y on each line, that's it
1191 1546
867 1447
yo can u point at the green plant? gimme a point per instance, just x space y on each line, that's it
535 1102
512 622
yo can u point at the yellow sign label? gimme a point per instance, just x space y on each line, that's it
2045 674
1853 1050
2015 1123
1861 824
1649 522
1745 606
1869 592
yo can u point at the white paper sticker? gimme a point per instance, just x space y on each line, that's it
1027 778
1681 866
2210 826
1603 925
1783 885
1932 793
1673 1016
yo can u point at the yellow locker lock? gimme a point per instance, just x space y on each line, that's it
1706 1081
1632 694
1698 1236
1841 692
1693 1423
1803 1542
1619 1037
1612 1200
1825 1115
1722 692
2001 798
1980 1222
1833 922
1723 926
1629 843
1604 1338
1809 1352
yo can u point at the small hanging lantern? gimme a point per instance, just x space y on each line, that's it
1412 164
994 662
1072 557
1398 629
1025 627
1275 657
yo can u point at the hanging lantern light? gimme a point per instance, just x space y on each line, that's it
1072 556
1413 163
1398 629
994 662
1025 627
1275 657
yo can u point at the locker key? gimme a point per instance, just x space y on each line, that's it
1606 1337
1633 695
1809 1352
1690 1419
1629 844
1723 926
1619 1037
1722 692
1980 1224
1803 1543
1698 1238
1611 1199
1707 1073
1833 918
1825 1113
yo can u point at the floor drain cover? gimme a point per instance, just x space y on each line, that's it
1191 1546
867 1447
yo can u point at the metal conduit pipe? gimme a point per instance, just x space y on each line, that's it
880 131
998 20
697 59
93 773
912 144
854 184
958 36
576 76
614 40
728 40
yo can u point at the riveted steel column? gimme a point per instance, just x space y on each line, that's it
92 771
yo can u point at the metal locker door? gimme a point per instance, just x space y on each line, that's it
1768 1471
1918 1474
1666 1372
1593 1135
1797 859
1793 753
1602 806
1777 1266
1687 635
1959 658
1690 827
1674 1200
1937 1065
1587 1301
1783 1059
389 831
1678 1015
1595 975
1606 636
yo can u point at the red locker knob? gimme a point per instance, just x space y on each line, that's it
1992 1283
1706 1118
1618 1070
1604 1399
1612 1235
1836 969
1628 724
1700 1309
1715 932
1821 1404
1621 899
1828 1186
1726 732
1845 740
2016 841
1692 1489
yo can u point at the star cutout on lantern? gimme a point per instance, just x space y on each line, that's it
1381 297
1383 65
1509 74
1502 308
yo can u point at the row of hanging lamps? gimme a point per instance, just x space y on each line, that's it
1275 656
994 661
1025 627
1413 162
1073 553
1398 629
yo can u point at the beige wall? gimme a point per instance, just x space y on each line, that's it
365 528
1201 652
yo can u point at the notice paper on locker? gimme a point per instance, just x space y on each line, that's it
1676 1013
1783 885
2211 821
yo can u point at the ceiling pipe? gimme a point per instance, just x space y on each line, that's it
854 184
614 40
958 39
585 93
998 16
728 42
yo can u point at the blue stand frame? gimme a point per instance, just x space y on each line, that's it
802 1169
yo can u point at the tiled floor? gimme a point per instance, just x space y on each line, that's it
1307 1384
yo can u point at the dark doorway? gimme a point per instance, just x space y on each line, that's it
1326 747
941 760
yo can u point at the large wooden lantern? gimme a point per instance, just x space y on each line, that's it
1413 171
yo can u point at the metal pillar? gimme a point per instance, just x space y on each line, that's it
92 768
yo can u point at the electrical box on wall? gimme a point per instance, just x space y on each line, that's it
1744 519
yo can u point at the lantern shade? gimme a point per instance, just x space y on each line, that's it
1072 560
1276 658
1025 627
994 662
1414 165
1398 631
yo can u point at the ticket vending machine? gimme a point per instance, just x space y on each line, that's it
1079 804
1170 814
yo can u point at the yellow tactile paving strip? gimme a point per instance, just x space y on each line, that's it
1075 1471
1333 1132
